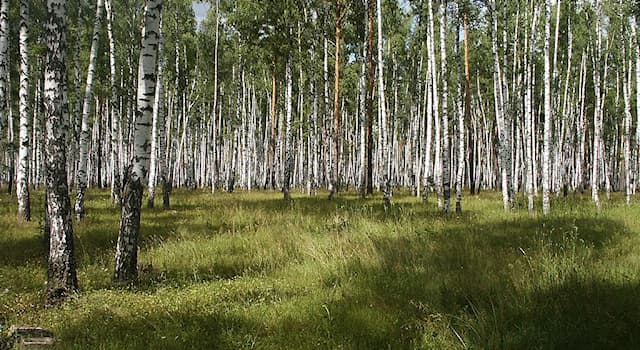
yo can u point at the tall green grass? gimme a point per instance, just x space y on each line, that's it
247 270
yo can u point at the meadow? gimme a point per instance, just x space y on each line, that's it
249 271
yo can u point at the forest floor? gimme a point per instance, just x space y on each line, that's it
246 270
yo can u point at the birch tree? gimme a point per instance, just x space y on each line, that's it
86 110
597 110
116 147
157 160
4 69
62 281
382 110
369 97
503 127
337 113
546 156
446 156
22 175
127 247
288 136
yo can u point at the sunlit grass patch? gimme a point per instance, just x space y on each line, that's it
247 270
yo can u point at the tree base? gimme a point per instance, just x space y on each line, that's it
127 249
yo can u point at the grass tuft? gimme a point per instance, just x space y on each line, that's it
247 270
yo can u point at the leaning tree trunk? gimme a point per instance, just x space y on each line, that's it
127 248
62 280
86 110
22 176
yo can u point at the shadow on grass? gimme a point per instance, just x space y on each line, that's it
499 285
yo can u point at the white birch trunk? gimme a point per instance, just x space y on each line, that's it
546 154
383 112
62 279
636 41
22 175
505 151
446 157
115 115
597 111
156 163
4 71
86 110
626 82
127 247
288 137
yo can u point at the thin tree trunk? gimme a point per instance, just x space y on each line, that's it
157 165
597 111
4 71
461 117
503 127
288 138
636 40
369 97
383 114
86 110
546 154
214 140
22 180
446 156
337 131
115 116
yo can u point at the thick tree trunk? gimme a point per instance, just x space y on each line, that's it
127 248
62 281
22 180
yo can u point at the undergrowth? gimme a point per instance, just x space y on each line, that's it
247 270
